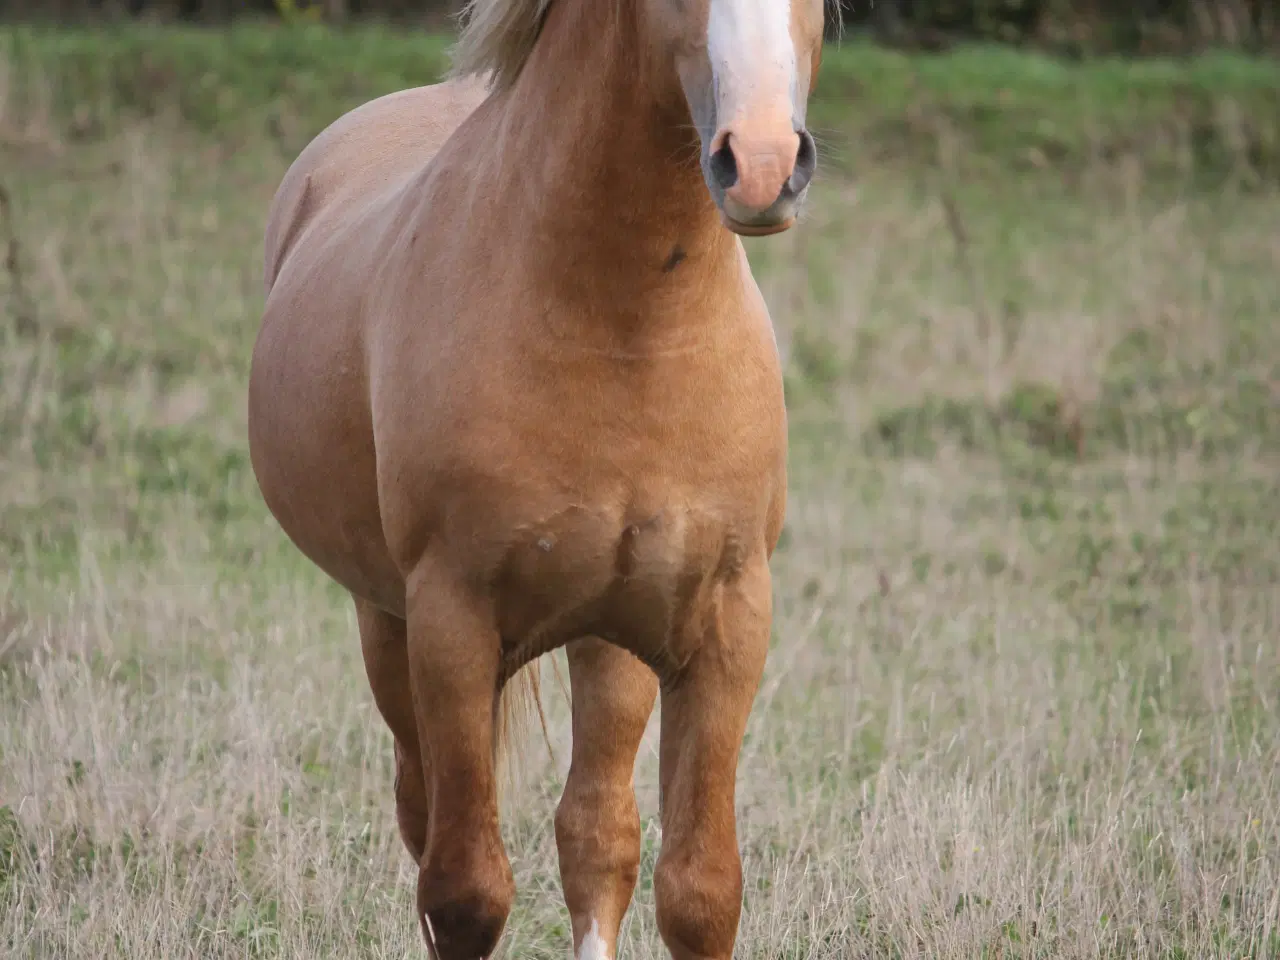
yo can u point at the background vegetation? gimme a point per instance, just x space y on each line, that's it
1022 700
1068 25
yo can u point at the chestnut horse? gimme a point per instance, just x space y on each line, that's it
516 389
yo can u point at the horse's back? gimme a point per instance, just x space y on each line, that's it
360 158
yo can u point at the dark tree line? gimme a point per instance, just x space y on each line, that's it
1080 25
1123 25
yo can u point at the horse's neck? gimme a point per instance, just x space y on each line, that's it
598 153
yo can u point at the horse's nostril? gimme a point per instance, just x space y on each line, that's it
724 166
806 163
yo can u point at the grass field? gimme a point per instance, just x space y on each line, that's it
1024 695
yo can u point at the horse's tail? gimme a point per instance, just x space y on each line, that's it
521 697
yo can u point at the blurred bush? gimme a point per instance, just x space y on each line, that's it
1076 26
1069 26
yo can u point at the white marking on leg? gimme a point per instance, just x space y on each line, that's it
593 945
431 937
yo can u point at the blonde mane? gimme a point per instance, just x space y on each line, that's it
496 38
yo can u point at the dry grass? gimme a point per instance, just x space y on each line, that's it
1024 698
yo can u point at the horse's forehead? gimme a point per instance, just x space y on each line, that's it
794 18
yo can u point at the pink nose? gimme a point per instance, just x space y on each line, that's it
755 171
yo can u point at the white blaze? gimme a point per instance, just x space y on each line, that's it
751 52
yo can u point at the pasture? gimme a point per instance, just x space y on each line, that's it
1023 697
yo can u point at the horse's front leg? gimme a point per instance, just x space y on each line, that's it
386 659
597 823
698 877
465 883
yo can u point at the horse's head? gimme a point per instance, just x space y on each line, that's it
747 68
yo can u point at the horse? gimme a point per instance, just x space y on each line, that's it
516 390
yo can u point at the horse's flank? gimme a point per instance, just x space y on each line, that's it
369 155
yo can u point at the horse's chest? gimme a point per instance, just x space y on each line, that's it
642 573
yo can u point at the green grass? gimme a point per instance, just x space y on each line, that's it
1022 696
1218 114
